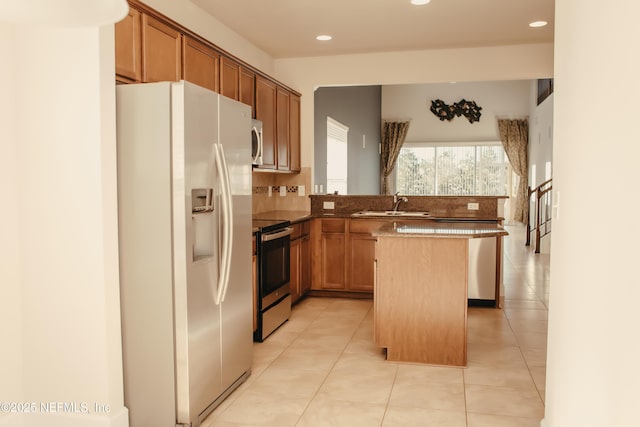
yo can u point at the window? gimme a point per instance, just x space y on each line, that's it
452 169
336 156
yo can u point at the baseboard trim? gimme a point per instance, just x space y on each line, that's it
340 294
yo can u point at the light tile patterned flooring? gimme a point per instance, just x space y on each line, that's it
321 368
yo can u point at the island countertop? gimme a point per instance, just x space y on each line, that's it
440 229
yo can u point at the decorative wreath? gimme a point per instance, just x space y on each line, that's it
469 109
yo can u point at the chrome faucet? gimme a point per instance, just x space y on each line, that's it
397 200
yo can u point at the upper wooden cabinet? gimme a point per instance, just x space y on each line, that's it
129 47
200 63
161 51
237 82
247 89
279 111
266 112
282 128
150 48
294 133
229 78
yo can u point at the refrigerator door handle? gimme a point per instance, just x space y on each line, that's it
227 221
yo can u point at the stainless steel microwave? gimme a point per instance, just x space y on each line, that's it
256 142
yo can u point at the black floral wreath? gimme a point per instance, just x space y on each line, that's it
469 109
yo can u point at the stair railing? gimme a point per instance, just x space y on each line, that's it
542 209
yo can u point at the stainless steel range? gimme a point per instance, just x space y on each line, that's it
274 299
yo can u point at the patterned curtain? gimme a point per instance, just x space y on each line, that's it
515 139
393 136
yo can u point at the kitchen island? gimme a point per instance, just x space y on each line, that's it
420 294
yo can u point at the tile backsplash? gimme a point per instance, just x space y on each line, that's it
278 191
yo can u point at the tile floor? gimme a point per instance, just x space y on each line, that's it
321 368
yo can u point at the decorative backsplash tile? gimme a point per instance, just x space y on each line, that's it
266 191
260 189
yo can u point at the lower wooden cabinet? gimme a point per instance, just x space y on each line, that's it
362 248
300 272
305 262
294 277
343 253
328 254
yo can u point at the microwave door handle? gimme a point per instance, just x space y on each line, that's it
227 209
260 146
254 131
258 158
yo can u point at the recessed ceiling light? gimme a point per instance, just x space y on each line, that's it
323 38
537 24
420 2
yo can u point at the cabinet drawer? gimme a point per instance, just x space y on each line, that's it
333 225
305 228
365 225
296 231
300 229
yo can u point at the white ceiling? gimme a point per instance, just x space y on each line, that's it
287 28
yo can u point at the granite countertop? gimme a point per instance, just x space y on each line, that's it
298 216
439 229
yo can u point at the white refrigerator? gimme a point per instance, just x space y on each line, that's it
184 211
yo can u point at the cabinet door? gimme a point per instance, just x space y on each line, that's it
229 78
333 261
161 51
305 264
333 253
200 65
248 89
128 40
361 261
282 128
294 279
294 133
266 112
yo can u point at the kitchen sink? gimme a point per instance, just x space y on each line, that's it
391 213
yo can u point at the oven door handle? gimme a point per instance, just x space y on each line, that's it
276 235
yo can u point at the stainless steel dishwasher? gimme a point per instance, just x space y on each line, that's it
482 271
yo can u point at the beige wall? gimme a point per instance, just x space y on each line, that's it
521 62
593 346
11 388
63 290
